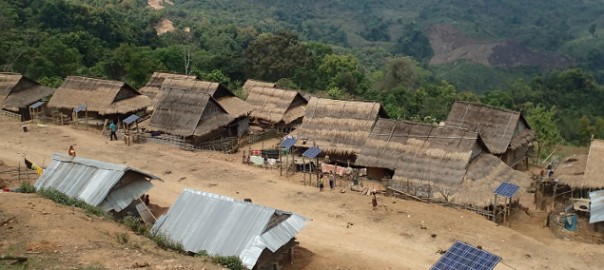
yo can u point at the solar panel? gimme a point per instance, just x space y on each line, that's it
289 142
80 108
462 256
507 189
130 119
37 104
312 152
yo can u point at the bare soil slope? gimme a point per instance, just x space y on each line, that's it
342 231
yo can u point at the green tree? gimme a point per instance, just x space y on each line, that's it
542 121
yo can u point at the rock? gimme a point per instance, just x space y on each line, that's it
433 235
140 265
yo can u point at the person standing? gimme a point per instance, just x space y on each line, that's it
332 180
320 184
113 129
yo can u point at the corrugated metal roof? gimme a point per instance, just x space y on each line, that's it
93 181
224 226
596 206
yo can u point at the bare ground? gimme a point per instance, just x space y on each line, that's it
342 231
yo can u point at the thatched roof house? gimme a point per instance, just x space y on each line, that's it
103 97
338 126
249 84
17 92
276 107
583 171
506 133
434 161
153 86
189 113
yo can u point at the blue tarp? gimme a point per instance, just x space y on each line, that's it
131 119
37 105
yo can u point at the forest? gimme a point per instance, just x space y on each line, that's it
383 55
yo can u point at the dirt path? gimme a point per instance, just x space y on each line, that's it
342 231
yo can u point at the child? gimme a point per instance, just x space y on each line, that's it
71 151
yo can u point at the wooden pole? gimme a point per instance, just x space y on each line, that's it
509 212
304 172
280 162
495 208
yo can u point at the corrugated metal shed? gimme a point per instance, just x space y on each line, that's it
596 208
224 226
95 182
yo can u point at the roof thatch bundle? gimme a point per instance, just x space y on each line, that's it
151 89
484 175
497 127
102 96
276 105
571 170
583 171
339 126
231 103
18 91
249 84
420 152
188 113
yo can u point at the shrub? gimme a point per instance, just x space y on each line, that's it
58 197
135 224
122 237
164 242
27 187
230 262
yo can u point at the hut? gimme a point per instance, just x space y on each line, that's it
224 226
153 87
437 162
233 105
582 174
276 108
112 187
506 133
338 127
191 114
100 98
249 84
18 93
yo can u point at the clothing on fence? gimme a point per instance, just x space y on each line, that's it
256 152
271 162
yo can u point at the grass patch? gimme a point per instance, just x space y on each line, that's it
27 187
135 224
122 238
60 198
164 242
230 262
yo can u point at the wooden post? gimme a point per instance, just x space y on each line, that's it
304 172
554 197
280 162
495 208
316 169
509 212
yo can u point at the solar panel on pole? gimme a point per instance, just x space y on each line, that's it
131 119
287 143
507 190
464 256
312 152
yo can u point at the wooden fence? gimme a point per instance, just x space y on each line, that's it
10 115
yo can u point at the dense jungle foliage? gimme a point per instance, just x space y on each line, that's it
368 50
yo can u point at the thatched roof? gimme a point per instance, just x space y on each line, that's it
18 91
102 96
583 171
186 112
497 127
249 84
338 126
484 175
420 152
572 170
231 103
151 89
276 105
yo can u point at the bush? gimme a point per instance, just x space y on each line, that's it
27 187
58 197
135 224
230 262
164 242
122 237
